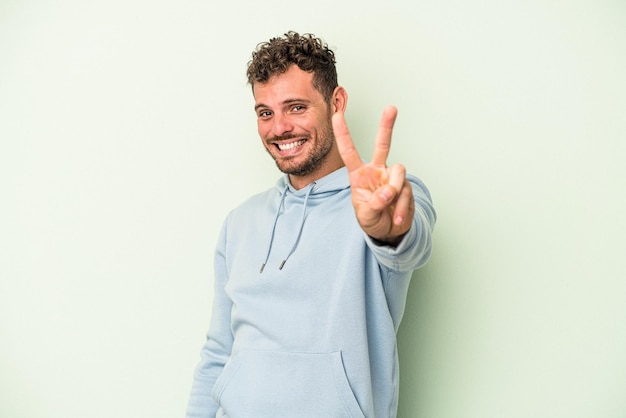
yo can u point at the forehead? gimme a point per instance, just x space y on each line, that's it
292 84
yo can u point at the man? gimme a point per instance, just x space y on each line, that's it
311 277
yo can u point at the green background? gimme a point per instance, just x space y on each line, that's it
127 133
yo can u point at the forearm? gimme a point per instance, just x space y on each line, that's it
201 404
218 345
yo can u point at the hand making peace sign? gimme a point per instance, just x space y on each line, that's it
381 195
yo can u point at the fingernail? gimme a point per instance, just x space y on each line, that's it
386 194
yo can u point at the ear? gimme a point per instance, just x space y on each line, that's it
339 100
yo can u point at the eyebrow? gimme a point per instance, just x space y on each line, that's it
284 103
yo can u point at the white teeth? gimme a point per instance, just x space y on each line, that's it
290 145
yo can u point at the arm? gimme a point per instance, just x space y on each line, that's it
394 210
414 249
217 348
382 196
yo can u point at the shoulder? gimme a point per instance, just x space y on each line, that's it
256 203
257 207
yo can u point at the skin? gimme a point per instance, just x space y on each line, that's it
290 110
316 141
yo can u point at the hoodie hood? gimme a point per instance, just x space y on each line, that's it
328 185
309 196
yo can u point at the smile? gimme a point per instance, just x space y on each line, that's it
290 145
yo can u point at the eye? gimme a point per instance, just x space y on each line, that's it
298 108
264 114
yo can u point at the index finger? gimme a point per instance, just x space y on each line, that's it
347 150
383 137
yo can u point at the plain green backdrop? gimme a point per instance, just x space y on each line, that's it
127 133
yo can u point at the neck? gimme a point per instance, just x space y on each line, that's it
299 182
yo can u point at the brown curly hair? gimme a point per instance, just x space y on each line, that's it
309 53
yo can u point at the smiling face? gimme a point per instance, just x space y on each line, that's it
294 123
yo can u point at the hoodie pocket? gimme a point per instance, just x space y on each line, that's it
281 384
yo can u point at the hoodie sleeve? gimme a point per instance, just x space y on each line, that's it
218 344
415 248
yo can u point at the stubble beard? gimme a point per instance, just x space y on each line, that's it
315 158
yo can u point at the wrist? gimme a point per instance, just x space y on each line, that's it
388 241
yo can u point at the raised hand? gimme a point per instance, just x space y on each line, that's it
381 195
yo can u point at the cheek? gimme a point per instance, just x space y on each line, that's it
262 129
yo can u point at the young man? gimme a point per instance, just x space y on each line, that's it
311 276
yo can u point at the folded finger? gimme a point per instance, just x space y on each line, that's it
405 206
397 176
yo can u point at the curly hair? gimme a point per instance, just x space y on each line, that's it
309 53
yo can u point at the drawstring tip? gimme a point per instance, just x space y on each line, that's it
262 267
282 264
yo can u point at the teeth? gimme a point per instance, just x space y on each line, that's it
290 145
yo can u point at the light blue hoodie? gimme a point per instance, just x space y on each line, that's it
312 333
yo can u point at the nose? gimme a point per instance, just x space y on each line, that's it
281 125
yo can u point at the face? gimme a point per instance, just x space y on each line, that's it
294 123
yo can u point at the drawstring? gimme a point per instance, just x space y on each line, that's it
295 244
269 248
